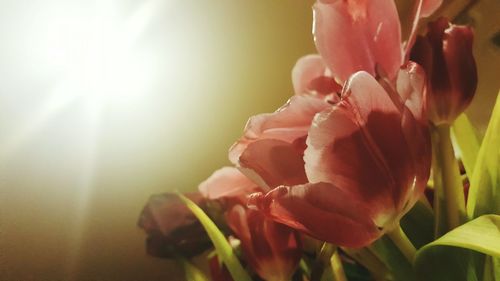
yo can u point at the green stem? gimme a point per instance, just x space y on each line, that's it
337 267
449 191
403 243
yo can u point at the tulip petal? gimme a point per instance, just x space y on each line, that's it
288 123
361 147
321 210
457 50
275 162
272 249
305 70
422 9
226 182
310 75
410 86
446 55
358 35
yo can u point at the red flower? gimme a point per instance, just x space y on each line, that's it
171 227
270 152
227 182
356 35
311 75
364 35
367 161
271 249
350 36
367 158
446 55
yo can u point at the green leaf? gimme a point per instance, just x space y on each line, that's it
460 254
222 246
464 135
484 193
191 272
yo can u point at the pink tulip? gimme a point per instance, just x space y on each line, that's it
271 249
356 35
277 135
284 131
350 35
446 55
227 182
363 35
311 75
367 157
367 162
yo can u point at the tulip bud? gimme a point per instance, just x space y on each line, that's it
171 227
445 53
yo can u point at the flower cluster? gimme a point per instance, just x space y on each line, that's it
344 160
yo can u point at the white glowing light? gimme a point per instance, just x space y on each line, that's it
93 52
100 58
97 63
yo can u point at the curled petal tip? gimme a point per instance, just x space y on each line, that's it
310 75
254 200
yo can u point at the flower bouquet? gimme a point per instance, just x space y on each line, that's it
371 171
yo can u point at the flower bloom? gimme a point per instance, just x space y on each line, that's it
271 249
364 35
445 53
367 162
366 155
358 35
270 151
171 227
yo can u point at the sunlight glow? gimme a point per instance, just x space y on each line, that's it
94 53
100 58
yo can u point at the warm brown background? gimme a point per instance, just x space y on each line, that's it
72 184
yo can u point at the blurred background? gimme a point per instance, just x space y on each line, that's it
103 103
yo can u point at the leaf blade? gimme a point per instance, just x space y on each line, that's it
465 137
459 255
222 246
484 193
